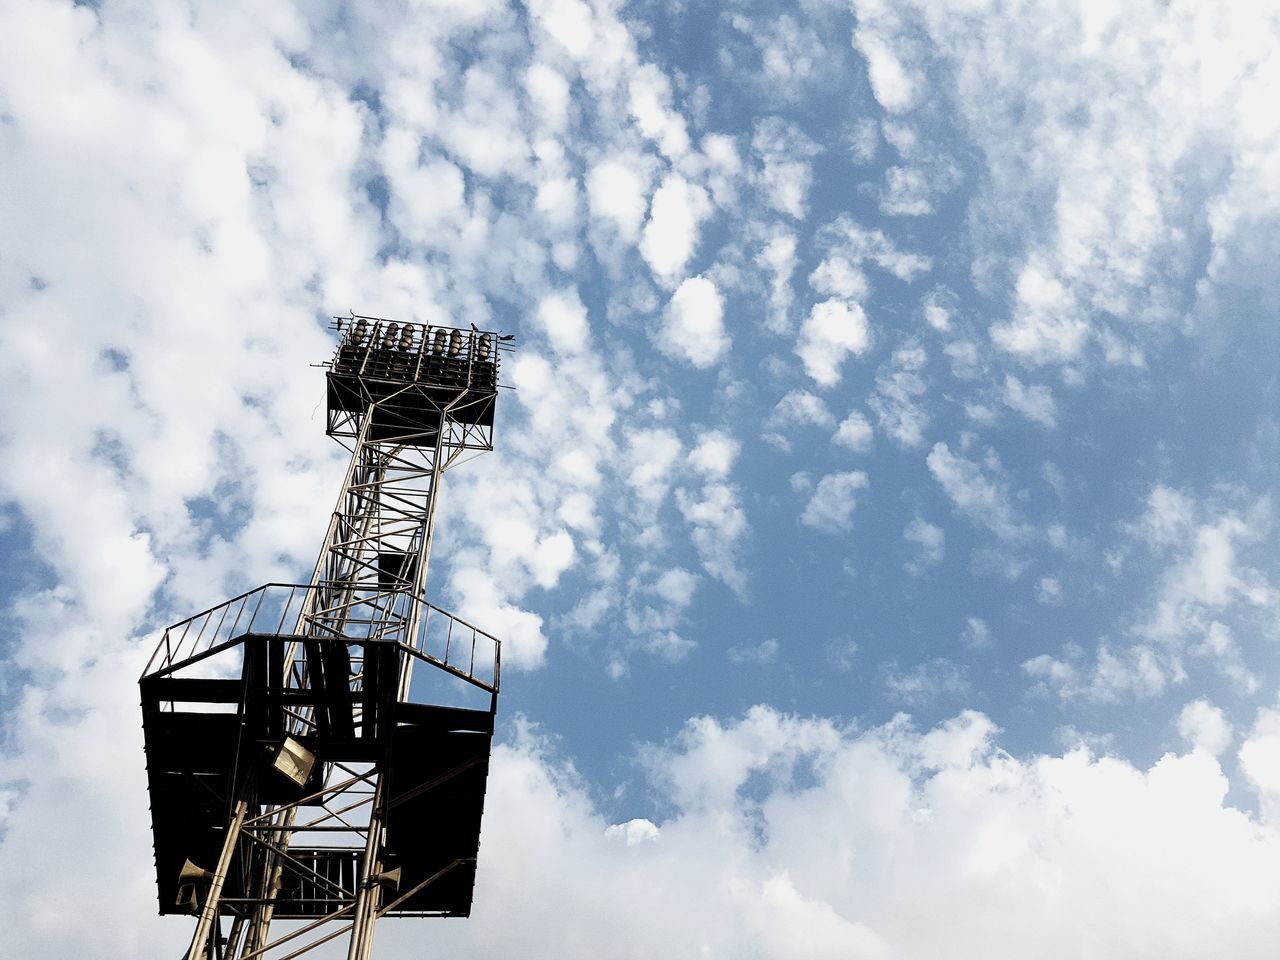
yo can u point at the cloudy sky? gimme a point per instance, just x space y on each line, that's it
882 529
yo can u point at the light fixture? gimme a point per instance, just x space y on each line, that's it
389 338
406 337
437 345
359 330
294 761
485 348
455 343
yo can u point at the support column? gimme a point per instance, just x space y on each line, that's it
209 914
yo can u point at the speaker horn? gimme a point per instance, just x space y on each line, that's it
190 879
390 879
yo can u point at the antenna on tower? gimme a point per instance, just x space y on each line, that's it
291 744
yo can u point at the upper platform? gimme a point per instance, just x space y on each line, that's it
414 380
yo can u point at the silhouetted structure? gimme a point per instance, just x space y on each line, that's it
300 769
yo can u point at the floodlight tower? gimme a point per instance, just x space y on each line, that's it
301 773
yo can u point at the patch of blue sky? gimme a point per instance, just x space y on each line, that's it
24 572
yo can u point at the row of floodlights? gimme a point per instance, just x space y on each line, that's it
445 343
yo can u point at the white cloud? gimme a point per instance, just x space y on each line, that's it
857 244
670 646
1260 760
570 23
906 193
1168 517
1047 326
930 544
693 324
676 587
762 653
1134 673
899 386
801 482
1087 140
892 83
714 454
753 850
926 683
963 355
1210 575
523 642
531 534
1051 671
838 327
655 612
719 167
938 308
635 831
838 276
778 258
1035 403
671 233
834 330
784 173
431 194
651 106
548 89
977 634
1205 585
854 432
564 320
484 132
1219 644
831 506
1049 591
792 53
719 525
1205 726
617 191
648 461
983 498
799 407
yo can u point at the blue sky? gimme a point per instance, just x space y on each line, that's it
883 522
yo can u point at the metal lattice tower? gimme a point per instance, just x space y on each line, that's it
305 780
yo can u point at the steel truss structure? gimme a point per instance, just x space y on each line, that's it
303 775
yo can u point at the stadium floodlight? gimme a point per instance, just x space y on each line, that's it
294 761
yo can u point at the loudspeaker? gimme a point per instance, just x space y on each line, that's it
389 879
190 881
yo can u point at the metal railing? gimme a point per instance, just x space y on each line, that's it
364 614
